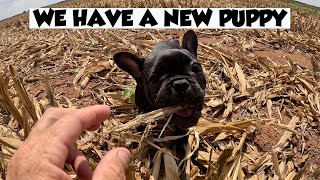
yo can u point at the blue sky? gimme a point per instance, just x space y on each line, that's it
10 8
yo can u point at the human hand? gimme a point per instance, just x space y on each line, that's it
51 144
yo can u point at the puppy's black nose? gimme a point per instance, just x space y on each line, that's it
180 86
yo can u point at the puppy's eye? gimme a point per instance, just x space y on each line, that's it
154 79
196 68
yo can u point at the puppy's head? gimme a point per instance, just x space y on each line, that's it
170 75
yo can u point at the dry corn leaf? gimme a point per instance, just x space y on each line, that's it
157 164
241 77
10 142
171 168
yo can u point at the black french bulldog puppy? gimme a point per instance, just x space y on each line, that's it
170 75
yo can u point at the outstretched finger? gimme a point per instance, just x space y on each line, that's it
48 118
64 133
70 126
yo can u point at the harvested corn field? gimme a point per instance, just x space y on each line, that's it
262 107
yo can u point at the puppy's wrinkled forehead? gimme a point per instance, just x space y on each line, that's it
173 61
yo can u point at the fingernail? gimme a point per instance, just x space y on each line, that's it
124 156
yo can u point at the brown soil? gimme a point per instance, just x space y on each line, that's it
266 137
282 57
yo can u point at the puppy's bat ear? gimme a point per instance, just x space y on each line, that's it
190 42
130 63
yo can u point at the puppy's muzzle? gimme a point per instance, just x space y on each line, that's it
180 87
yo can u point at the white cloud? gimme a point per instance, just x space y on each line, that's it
9 8
311 2
5 3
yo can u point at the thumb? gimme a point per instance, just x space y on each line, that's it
113 165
